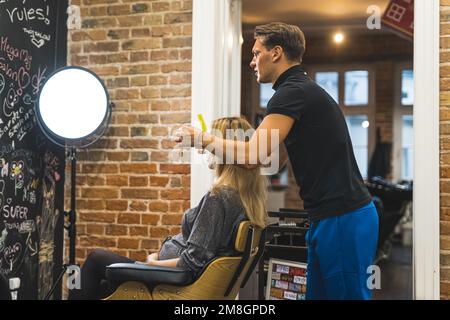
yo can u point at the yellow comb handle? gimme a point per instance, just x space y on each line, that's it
202 122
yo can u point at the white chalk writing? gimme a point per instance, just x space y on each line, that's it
14 53
29 14
15 212
21 77
37 38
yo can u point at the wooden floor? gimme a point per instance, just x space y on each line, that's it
396 275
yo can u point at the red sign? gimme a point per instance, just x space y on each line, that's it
399 15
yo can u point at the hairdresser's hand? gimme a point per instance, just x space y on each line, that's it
188 136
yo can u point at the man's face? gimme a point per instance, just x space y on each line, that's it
261 63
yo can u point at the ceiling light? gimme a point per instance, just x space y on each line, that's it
339 37
365 124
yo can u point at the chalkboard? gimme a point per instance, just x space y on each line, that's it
33 37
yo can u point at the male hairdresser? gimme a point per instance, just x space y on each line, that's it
343 235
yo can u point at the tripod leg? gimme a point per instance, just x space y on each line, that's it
50 293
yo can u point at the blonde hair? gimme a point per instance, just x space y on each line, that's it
249 183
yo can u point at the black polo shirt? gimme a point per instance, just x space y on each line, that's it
319 147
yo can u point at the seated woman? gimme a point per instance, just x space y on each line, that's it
206 230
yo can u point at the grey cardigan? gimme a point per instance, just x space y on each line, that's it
206 231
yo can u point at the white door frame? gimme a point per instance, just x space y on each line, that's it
426 233
215 22
216 74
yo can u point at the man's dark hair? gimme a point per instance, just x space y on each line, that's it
289 37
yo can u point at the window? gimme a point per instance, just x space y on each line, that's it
403 140
358 128
356 88
351 87
407 87
407 147
329 82
265 94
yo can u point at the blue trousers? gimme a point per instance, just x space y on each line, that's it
340 249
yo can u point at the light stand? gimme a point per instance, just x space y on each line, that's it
73 111
71 225
71 214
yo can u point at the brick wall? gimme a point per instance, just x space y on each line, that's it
130 197
445 148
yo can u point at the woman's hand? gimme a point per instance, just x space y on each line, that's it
152 258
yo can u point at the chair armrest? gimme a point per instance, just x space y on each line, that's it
119 273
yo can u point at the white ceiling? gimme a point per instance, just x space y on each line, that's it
312 15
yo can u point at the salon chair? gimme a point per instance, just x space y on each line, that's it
220 279
390 201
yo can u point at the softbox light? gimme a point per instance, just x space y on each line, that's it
73 110
73 107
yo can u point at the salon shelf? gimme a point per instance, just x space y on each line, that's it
286 229
288 214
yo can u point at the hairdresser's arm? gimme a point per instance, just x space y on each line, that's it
261 139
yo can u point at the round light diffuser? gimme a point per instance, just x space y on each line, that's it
73 107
